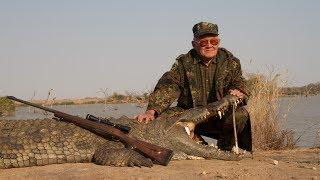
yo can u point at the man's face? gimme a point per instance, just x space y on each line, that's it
206 46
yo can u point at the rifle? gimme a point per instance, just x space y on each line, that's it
156 153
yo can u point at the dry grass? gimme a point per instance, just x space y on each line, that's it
6 107
129 97
317 140
263 107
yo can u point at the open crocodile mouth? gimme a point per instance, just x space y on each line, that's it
189 128
193 120
189 119
185 134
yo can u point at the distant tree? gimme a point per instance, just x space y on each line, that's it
310 89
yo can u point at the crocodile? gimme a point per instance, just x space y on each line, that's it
26 143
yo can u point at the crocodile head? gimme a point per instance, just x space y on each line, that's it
175 130
180 129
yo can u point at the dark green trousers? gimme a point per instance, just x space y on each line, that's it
222 130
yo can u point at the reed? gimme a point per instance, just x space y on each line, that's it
263 106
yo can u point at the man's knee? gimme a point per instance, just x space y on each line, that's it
243 125
242 116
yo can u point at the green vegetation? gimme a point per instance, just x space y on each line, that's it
6 107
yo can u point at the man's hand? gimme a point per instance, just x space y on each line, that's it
147 117
237 93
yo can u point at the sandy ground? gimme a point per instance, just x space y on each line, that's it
291 164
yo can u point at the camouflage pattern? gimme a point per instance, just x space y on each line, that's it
204 28
183 81
207 74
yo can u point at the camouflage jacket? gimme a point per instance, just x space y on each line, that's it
181 81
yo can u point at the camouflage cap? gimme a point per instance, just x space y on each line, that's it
203 28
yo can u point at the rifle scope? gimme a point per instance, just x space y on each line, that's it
125 129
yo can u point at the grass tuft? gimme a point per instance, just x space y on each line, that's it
263 107
6 107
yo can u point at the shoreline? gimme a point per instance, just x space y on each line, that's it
111 100
82 101
283 164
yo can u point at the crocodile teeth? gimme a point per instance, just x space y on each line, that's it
220 115
187 130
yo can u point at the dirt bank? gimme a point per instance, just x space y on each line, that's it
291 164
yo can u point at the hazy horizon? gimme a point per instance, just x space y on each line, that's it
78 47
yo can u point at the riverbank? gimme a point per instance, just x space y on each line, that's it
114 99
285 164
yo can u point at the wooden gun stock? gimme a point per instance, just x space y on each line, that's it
158 154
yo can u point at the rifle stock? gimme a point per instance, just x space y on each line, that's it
158 154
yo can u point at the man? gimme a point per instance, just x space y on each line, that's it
204 75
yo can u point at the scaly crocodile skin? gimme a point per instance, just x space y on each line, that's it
39 142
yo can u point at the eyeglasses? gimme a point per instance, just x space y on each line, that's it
205 42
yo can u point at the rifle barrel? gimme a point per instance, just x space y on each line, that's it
32 104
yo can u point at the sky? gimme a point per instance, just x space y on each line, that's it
78 47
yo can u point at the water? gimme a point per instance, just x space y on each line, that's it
303 116
114 110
